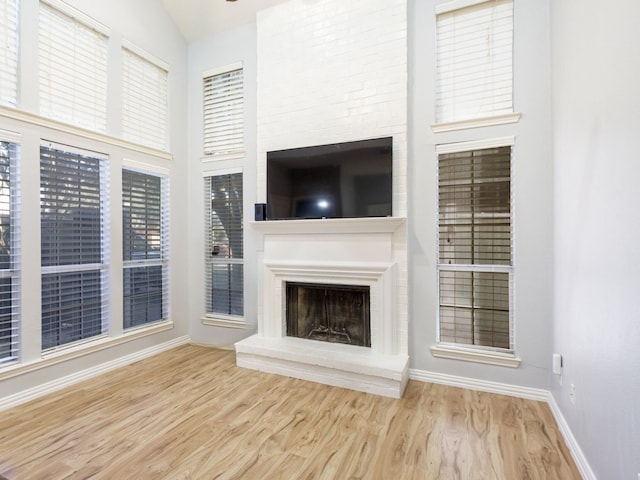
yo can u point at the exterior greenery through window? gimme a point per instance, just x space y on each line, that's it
224 245
145 248
475 258
9 253
74 256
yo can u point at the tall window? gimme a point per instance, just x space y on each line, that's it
75 256
144 110
224 111
224 245
73 66
9 52
145 247
9 253
475 259
474 60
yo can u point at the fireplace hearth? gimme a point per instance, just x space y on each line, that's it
328 313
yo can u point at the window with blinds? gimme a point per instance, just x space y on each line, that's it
144 108
9 253
74 254
9 52
475 254
224 113
145 247
224 245
474 61
73 68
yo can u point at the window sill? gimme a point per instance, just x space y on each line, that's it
476 122
225 321
477 356
212 158
63 354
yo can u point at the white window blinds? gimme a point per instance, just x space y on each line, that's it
145 247
474 60
9 52
224 245
224 113
475 265
144 109
73 69
9 253
74 254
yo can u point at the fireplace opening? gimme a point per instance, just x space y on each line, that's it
329 313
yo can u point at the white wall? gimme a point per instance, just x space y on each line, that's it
596 120
146 24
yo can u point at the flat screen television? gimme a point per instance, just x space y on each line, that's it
340 180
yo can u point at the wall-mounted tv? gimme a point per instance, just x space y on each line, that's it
340 180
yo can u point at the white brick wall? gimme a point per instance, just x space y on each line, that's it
333 71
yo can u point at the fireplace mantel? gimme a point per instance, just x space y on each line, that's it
330 225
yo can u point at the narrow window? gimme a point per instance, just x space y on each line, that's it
145 247
144 109
224 245
474 57
224 112
9 253
74 252
475 255
73 67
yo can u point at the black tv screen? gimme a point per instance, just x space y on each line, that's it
340 180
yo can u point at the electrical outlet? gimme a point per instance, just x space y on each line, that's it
572 393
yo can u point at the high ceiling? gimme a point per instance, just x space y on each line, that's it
199 18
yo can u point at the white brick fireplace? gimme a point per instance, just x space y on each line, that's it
333 71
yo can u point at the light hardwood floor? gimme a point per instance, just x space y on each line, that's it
190 413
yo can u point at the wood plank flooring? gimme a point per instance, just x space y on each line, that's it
190 413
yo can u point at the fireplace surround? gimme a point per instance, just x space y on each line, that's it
361 252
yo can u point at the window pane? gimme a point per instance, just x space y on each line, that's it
227 282
143 294
224 113
9 52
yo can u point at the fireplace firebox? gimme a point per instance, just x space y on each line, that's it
329 313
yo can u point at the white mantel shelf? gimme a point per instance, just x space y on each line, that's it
330 225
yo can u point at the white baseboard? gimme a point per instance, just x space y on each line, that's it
570 440
60 383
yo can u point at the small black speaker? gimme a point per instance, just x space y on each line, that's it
260 211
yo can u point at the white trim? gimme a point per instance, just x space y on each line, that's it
58 384
224 69
225 321
142 53
78 15
330 225
219 157
213 172
34 119
452 5
475 145
537 394
475 123
8 136
145 167
571 442
477 356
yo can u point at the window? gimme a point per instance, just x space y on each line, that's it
475 255
9 253
144 110
474 60
224 112
9 52
75 258
224 239
145 247
73 67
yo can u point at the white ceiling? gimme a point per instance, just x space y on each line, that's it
199 18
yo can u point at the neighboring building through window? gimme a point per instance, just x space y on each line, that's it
474 59
224 245
9 253
224 111
9 52
73 66
144 109
74 204
475 256
145 247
